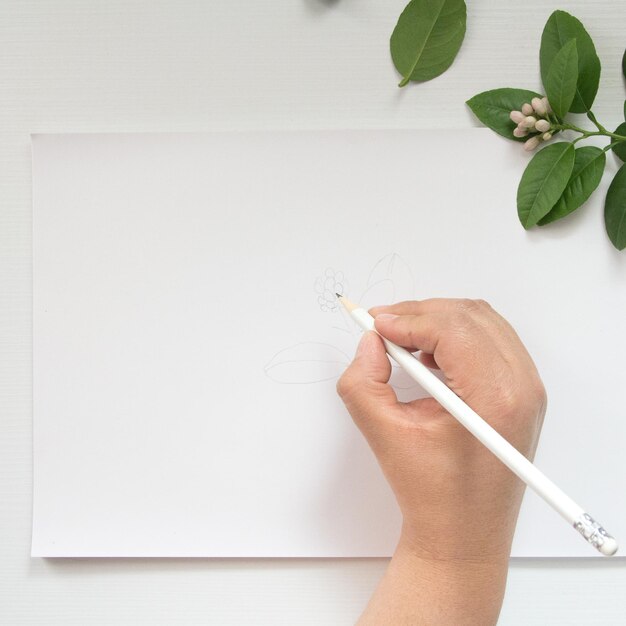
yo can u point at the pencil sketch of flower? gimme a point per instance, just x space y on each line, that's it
327 287
390 280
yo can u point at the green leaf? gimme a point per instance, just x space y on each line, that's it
559 29
615 209
585 177
493 108
543 182
561 81
624 72
427 38
620 148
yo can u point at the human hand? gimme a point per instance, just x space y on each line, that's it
459 502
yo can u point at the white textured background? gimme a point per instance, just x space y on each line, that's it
151 65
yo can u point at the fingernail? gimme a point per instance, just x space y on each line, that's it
386 317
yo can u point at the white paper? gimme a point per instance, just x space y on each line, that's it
185 366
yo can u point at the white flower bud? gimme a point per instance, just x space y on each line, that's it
520 132
546 104
529 122
542 126
517 116
539 106
527 109
531 144
547 136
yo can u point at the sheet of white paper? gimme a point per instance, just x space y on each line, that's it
185 359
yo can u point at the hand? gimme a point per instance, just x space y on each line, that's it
459 502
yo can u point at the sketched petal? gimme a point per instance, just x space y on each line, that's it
394 268
305 363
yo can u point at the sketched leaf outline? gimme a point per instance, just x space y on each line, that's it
389 268
306 352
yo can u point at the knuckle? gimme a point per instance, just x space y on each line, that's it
346 384
501 393
515 397
539 393
461 328
509 400
466 304
465 324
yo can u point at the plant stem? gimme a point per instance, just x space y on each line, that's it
610 146
589 133
592 117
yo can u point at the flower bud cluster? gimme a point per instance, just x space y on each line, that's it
532 122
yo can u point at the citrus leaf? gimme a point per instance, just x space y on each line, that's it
561 81
559 29
427 38
620 148
543 182
585 177
615 209
493 108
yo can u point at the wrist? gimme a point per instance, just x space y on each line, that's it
453 565
454 544
466 590
420 589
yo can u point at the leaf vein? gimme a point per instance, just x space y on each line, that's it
421 49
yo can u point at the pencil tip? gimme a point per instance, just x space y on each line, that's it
338 295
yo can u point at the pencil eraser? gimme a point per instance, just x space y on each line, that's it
608 547
595 534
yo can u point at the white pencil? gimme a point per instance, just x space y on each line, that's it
514 460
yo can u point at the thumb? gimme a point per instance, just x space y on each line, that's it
363 386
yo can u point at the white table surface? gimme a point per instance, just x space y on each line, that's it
191 65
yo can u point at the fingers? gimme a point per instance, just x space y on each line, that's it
413 332
420 325
363 386
415 307
430 305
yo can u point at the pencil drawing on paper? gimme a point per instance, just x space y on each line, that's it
308 362
327 286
